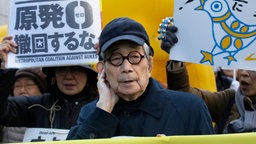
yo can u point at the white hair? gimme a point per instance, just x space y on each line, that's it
146 49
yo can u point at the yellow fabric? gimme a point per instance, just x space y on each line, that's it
243 138
3 31
150 14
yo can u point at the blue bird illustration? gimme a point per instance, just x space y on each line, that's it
233 35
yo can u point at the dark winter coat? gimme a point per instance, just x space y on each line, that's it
221 104
157 111
54 110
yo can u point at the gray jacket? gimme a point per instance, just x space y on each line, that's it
13 134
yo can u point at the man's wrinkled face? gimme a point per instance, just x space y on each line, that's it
247 80
127 79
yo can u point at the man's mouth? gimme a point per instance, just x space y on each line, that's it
127 81
243 84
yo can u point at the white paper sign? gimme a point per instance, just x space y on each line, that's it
216 32
51 32
44 134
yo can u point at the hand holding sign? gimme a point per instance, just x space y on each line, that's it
167 34
7 45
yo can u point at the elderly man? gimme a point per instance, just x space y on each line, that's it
131 103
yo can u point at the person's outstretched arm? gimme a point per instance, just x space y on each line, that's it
218 103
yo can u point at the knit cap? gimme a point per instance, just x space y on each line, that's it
36 74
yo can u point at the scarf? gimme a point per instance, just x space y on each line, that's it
247 120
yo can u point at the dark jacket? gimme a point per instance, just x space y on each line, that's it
157 111
46 111
220 104
222 81
54 110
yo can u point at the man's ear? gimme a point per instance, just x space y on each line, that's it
150 64
100 66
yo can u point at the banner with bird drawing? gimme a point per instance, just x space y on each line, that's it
216 32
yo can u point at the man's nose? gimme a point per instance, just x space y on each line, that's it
126 65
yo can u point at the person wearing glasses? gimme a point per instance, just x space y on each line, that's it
131 103
26 82
69 88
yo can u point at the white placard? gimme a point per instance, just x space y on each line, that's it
216 32
54 32
44 134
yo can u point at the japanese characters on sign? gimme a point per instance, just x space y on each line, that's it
217 32
50 33
44 134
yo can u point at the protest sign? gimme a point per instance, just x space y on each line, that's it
216 32
50 33
44 134
241 138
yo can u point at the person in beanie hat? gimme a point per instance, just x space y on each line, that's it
131 103
27 82
68 89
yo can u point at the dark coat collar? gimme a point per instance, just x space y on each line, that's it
150 101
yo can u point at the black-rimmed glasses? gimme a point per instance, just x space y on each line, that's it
133 57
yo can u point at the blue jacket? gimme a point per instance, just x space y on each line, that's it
157 111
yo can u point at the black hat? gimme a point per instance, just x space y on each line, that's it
87 67
123 29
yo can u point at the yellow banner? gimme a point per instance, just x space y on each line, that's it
150 14
243 138
3 31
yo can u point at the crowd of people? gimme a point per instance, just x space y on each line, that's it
69 88
120 98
